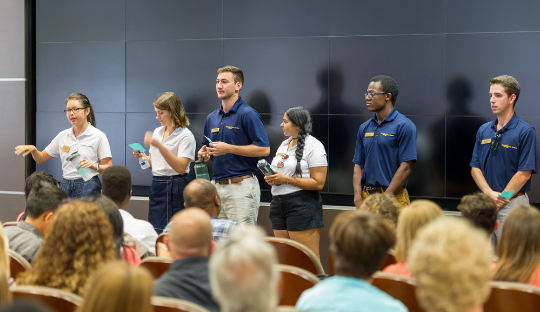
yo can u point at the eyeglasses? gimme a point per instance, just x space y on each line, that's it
369 95
495 141
73 110
280 164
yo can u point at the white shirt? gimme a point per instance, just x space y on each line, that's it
92 145
181 143
314 156
141 230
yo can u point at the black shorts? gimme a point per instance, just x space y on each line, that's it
298 211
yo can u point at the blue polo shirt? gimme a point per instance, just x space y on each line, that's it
241 125
517 151
381 147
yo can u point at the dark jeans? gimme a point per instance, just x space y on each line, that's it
166 199
78 188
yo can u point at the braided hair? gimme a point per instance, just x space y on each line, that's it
300 117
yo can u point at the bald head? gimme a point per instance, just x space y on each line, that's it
202 193
190 234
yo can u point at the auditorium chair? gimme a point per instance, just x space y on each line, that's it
389 259
295 281
11 223
507 296
56 299
156 265
160 239
400 287
286 309
165 304
293 253
17 264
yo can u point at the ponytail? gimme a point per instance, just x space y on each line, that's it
85 102
300 117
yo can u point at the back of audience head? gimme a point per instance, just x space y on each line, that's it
44 200
411 220
117 185
384 205
519 245
481 210
119 287
190 234
35 179
4 256
203 194
5 294
117 223
77 244
359 241
242 273
450 260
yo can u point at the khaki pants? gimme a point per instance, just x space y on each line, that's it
240 201
402 197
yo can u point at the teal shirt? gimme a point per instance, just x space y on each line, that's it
345 294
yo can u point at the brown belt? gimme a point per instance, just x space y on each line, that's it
235 179
518 194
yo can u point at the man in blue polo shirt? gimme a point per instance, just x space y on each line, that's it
385 146
238 140
505 154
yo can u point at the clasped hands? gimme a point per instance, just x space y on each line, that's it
215 149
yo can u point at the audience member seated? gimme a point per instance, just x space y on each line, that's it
519 247
481 210
202 193
359 241
119 287
450 260
190 244
243 274
5 293
126 253
384 205
412 218
35 179
26 238
78 243
117 186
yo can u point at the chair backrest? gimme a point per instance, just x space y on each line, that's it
507 296
295 281
293 253
11 223
17 264
388 260
286 309
156 265
165 304
56 299
400 287
160 239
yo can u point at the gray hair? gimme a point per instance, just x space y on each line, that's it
242 272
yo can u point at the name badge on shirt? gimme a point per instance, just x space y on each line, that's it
279 154
66 148
486 141
369 134
215 130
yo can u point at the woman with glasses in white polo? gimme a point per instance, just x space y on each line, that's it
301 164
84 139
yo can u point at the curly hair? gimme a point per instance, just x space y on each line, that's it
78 243
300 117
384 205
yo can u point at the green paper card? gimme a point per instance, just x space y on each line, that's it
507 194
138 147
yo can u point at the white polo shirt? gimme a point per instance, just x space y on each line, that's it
181 143
314 156
92 145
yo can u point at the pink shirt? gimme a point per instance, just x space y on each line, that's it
399 268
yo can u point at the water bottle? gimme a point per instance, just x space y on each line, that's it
201 171
265 167
143 161
75 159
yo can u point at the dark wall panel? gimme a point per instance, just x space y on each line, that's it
534 194
284 70
136 126
480 57
96 69
386 17
278 18
187 68
68 20
173 19
418 72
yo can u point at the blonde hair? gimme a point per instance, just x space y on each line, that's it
78 243
450 260
119 287
519 246
384 205
412 219
170 102
4 256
